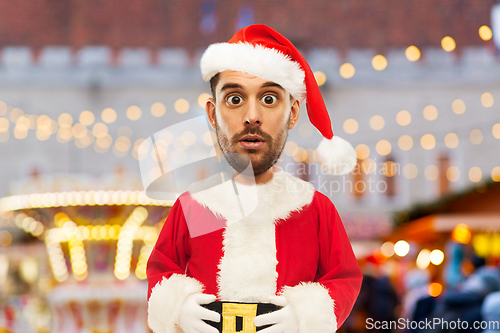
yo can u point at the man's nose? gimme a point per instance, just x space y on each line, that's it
253 115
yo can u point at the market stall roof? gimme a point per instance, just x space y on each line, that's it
481 198
477 207
431 227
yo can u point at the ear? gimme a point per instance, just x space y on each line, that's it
294 113
210 110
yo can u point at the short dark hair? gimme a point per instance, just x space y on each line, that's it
213 84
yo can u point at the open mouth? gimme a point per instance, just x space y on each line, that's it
251 142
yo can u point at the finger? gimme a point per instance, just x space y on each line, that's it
207 314
267 318
278 300
203 327
205 298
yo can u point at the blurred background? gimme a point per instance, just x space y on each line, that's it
414 85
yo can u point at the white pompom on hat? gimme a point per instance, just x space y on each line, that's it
262 51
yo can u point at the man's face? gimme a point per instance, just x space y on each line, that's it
252 117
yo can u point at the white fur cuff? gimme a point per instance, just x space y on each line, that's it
166 300
313 307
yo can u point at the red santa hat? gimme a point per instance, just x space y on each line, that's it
261 51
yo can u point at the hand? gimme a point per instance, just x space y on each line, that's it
283 320
193 314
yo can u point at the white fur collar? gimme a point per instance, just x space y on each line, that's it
271 201
247 271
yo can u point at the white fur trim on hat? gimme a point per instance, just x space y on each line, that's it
266 63
336 156
313 307
166 300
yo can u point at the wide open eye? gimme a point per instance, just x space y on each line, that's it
234 99
269 99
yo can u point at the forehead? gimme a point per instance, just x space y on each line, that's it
244 79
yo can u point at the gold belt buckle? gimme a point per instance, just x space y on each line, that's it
232 310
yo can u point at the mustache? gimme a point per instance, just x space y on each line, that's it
252 130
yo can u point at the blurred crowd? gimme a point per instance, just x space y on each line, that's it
469 301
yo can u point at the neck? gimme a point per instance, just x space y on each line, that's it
257 180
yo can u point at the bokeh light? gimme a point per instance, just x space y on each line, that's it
134 112
487 100
181 106
475 174
485 32
383 147
405 142
387 249
87 118
379 62
476 136
403 118
108 115
428 141
347 70
496 131
412 53
202 99
158 109
430 112
65 120
15 113
410 171
4 124
431 172
461 233
435 289
390 169
423 259
453 174
495 174
437 257
320 78
290 147
99 130
401 248
377 122
368 166
351 126
458 106
362 151
451 140
448 44
306 130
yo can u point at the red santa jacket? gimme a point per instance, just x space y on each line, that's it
282 237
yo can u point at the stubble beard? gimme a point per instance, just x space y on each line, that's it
240 161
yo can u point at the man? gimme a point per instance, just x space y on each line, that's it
288 248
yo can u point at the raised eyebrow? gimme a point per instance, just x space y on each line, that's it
272 84
230 86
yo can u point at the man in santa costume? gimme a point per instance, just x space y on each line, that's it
277 242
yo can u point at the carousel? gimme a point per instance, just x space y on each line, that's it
93 237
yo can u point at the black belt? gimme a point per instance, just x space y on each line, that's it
238 317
